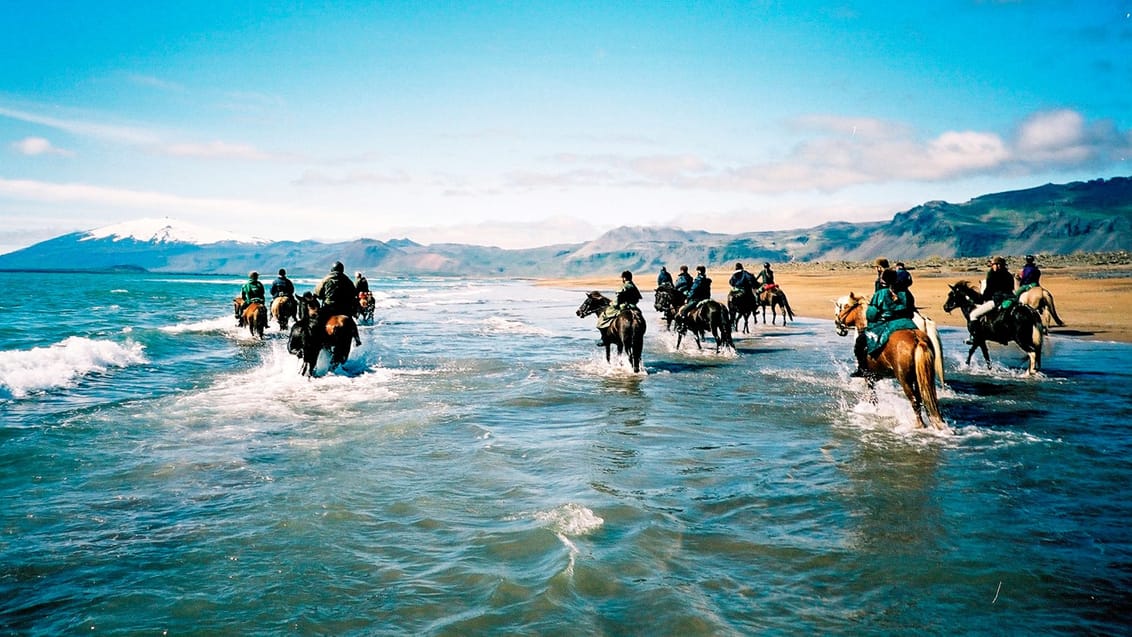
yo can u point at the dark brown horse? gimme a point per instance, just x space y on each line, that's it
907 356
283 310
742 304
709 316
627 331
775 298
338 336
666 300
254 316
1019 323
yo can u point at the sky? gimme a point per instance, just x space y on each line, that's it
534 123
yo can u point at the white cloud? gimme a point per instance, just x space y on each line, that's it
33 146
216 150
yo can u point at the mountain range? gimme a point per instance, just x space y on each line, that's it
1092 216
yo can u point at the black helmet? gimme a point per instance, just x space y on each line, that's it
889 277
738 266
337 267
253 275
627 275
282 272
1029 258
700 268
766 264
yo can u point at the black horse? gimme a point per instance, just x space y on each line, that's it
742 304
1019 323
627 331
666 300
709 316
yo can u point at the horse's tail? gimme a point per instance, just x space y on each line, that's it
925 381
928 326
724 328
786 305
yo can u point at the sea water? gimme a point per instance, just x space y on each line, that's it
477 467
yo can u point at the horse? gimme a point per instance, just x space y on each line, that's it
742 304
775 298
366 305
666 300
709 316
283 310
254 316
1041 300
337 336
926 325
907 356
627 331
1019 323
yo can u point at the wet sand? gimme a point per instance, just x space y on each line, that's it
1093 300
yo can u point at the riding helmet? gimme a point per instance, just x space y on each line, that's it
337 267
253 275
282 272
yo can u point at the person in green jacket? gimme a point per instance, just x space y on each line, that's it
251 292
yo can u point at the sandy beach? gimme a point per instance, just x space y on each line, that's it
1093 296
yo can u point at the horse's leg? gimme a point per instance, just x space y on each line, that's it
971 352
986 353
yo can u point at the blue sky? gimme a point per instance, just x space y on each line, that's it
531 123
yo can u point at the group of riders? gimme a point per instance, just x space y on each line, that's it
336 294
892 306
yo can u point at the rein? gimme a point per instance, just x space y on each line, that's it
843 316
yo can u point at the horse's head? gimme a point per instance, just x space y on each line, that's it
961 295
847 312
593 304
667 296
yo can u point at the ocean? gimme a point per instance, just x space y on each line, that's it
477 468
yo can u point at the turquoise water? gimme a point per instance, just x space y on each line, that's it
478 468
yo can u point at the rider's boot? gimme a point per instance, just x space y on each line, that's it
860 351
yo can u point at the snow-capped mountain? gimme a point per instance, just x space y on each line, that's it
167 230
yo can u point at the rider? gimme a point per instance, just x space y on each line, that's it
683 281
1030 275
627 298
881 264
699 291
903 277
889 303
765 277
663 277
361 283
251 292
742 281
282 286
337 294
997 289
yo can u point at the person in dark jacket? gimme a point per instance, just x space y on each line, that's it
683 281
361 283
282 286
1031 274
742 281
337 294
998 287
903 277
664 277
881 264
628 295
699 291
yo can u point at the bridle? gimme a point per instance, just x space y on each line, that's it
843 312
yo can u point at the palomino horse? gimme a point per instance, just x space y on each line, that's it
254 316
1019 323
666 300
742 305
283 310
709 316
1041 300
775 298
627 331
307 341
907 356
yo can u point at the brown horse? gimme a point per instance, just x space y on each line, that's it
775 298
283 309
627 331
1041 300
254 316
908 357
338 335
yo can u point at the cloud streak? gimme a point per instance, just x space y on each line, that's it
35 146
836 153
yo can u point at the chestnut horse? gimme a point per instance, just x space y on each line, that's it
283 310
775 298
907 356
627 331
254 316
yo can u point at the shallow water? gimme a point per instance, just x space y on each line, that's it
477 467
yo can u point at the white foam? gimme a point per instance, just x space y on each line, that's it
43 368
501 325
570 519
223 324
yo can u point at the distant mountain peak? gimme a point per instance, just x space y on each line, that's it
167 230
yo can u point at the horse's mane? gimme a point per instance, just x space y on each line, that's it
964 284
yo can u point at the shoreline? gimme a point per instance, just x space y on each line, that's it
1093 299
